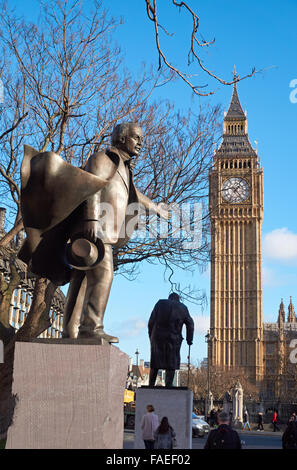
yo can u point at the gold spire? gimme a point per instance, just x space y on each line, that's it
291 314
281 312
235 111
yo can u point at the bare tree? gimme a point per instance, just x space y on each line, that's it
221 381
197 44
65 88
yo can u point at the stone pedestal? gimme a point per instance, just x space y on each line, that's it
70 395
175 403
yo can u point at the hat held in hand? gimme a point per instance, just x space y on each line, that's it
83 254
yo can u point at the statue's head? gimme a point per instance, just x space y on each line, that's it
174 296
128 137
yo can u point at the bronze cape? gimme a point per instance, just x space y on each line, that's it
53 195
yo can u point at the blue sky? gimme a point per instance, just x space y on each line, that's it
247 33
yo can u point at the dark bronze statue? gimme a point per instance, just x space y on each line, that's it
165 332
74 217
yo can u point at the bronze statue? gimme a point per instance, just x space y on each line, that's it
69 235
165 333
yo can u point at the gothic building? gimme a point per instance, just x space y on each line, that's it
238 337
280 374
21 298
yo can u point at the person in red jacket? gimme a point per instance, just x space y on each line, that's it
274 421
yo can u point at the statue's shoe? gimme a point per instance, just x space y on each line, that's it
98 334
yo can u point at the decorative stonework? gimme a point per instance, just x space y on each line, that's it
236 267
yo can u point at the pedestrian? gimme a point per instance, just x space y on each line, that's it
224 437
149 424
274 421
216 418
212 418
165 435
246 420
230 417
289 437
260 422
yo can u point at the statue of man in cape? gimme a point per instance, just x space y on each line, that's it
74 217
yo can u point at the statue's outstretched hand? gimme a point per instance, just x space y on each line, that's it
163 211
90 230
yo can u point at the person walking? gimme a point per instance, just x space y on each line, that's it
224 437
246 420
149 424
164 435
212 418
274 421
260 422
289 437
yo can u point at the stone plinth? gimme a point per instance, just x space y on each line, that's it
175 403
70 396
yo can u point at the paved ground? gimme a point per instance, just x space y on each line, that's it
250 440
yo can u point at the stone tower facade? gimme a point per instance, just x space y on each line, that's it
236 210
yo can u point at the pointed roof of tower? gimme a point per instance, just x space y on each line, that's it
291 315
281 312
235 111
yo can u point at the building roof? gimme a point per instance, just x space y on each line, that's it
235 144
235 111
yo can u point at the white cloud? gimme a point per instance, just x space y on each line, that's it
202 324
132 327
270 277
280 244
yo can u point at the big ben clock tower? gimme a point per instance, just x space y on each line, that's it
236 211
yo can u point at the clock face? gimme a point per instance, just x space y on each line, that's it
235 190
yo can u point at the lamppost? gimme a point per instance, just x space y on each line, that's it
137 354
137 377
208 341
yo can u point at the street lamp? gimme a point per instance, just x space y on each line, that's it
137 354
208 341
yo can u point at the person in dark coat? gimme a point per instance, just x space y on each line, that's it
212 417
260 422
165 333
224 437
289 437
